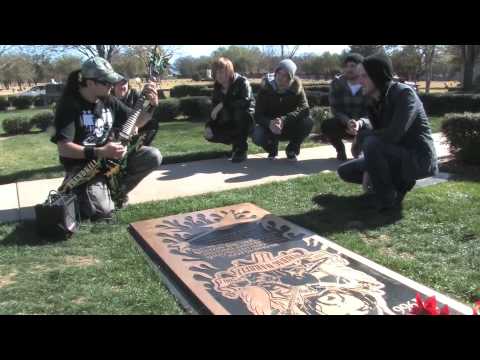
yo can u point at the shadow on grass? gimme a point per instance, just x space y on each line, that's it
252 169
33 174
338 213
24 234
189 157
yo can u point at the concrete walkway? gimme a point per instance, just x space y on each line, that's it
185 179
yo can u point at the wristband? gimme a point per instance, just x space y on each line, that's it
89 152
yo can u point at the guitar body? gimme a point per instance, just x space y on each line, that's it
116 170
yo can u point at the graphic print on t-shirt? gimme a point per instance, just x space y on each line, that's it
96 128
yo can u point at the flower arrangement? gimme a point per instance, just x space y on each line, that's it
429 307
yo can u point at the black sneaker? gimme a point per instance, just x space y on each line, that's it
291 156
272 154
239 156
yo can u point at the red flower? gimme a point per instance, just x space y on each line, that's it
476 308
429 307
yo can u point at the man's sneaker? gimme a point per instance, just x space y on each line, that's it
291 156
239 156
272 156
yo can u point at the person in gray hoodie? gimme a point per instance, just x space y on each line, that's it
282 112
395 139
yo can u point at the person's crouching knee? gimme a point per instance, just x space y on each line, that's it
155 158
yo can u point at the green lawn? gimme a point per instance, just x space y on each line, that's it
434 240
436 123
33 156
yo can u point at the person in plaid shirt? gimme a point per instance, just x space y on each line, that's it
347 102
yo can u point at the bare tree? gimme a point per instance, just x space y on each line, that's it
469 55
427 53
105 51
4 49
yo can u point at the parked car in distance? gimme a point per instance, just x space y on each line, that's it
34 91
53 92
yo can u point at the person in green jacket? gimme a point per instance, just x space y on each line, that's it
395 140
282 112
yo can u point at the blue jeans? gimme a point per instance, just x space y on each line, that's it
94 196
295 132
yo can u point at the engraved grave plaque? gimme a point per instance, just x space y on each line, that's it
242 259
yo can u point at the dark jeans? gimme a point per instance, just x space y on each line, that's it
295 132
383 162
335 131
232 128
94 197
151 129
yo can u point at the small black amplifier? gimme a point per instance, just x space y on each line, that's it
58 216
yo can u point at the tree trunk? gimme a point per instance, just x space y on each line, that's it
430 54
468 76
469 55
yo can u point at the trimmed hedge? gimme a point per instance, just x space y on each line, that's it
161 94
43 120
317 98
180 91
21 102
196 106
463 135
17 125
167 110
255 87
40 100
320 88
442 103
4 103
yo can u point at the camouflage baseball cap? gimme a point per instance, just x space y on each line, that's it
100 69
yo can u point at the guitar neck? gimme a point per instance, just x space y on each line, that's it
127 128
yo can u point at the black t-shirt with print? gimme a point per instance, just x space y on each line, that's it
85 123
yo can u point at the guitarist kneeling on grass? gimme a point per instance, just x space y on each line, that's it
84 117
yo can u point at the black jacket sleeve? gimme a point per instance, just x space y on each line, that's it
404 113
301 111
245 96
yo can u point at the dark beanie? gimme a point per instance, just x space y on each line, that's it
379 68
353 57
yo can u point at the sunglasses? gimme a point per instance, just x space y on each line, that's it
104 83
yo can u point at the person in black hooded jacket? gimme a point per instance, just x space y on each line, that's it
395 139
231 120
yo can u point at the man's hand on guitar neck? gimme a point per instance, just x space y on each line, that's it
150 91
